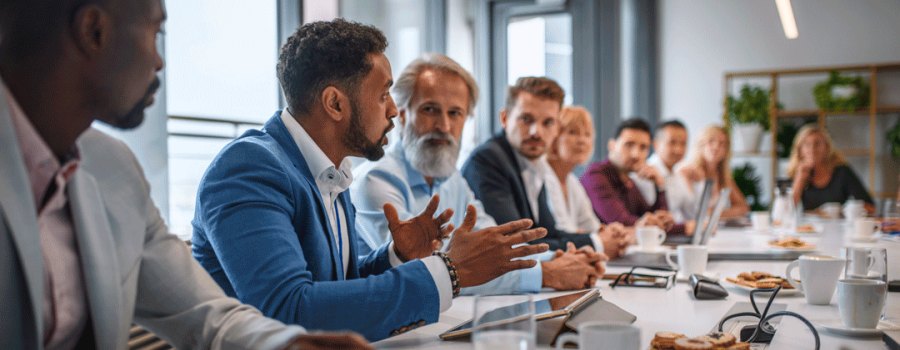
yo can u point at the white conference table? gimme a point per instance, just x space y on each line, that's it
676 310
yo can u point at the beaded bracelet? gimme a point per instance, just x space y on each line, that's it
454 278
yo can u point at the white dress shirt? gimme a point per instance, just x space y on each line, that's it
533 177
331 182
680 199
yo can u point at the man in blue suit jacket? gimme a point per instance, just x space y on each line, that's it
274 224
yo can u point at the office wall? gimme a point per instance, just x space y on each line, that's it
700 40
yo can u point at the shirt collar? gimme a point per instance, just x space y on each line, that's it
40 162
530 165
656 161
321 167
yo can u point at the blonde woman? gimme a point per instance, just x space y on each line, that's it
712 156
820 173
574 146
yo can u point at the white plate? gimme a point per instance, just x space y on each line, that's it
837 327
782 293
873 238
657 250
782 249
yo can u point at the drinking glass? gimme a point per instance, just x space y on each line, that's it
890 211
504 322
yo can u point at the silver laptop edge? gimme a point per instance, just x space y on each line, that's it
717 213
700 218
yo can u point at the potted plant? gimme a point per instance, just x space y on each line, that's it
747 181
893 138
841 93
748 116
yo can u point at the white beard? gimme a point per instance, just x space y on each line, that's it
428 159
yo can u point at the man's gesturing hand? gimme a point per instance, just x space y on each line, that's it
418 237
486 254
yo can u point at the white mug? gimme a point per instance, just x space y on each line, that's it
861 302
760 220
854 209
598 335
818 277
691 259
832 209
859 262
865 227
650 237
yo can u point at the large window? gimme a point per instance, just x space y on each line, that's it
220 81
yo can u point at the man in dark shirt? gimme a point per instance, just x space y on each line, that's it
614 195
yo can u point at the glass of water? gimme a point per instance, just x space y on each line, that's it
504 322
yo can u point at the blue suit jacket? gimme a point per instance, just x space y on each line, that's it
260 229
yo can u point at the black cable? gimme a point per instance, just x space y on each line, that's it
764 318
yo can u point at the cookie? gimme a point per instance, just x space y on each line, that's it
760 275
766 285
665 340
692 344
719 339
746 276
739 346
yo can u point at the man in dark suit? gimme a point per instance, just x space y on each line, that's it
505 172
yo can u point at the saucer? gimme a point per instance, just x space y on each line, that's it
837 327
708 274
655 250
873 238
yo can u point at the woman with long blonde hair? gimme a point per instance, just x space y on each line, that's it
712 158
820 173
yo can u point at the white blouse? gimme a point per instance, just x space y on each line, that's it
574 212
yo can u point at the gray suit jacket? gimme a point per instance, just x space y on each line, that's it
133 268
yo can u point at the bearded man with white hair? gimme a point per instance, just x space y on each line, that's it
435 96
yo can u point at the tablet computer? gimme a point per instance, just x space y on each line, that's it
543 309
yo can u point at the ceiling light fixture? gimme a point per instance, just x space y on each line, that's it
787 18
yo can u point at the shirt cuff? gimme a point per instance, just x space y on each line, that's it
531 280
392 256
598 243
441 276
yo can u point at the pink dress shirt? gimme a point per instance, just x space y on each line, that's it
65 303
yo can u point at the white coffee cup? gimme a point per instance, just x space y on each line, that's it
760 220
691 259
832 209
854 209
818 277
650 237
599 335
861 302
865 227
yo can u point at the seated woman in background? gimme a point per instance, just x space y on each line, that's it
569 202
820 173
712 157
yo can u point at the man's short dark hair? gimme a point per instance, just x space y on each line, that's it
670 123
26 26
541 87
635 124
322 54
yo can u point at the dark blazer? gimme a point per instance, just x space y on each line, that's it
260 229
494 175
